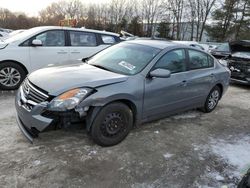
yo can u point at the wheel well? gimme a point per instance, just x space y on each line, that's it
221 88
131 105
20 64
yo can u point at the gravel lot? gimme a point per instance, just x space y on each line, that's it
187 150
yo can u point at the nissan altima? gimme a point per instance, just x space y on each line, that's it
121 87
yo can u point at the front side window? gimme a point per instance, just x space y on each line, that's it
125 58
78 38
174 61
199 60
52 38
108 39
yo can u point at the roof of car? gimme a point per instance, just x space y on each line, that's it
155 43
78 29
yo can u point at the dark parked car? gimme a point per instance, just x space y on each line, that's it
239 62
122 86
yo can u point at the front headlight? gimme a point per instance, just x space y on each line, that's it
69 99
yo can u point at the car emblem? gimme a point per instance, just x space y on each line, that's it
27 91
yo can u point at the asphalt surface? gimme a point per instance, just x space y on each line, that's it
192 149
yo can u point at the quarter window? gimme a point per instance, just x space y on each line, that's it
174 61
199 60
78 38
52 38
108 39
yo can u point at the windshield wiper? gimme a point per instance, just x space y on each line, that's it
99 66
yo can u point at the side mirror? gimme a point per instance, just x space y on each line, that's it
37 42
84 60
160 73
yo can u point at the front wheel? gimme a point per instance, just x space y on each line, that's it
11 75
112 124
212 100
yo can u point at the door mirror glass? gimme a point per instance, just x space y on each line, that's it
160 73
37 42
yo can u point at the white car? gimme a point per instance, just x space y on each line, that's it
191 43
47 46
11 34
3 35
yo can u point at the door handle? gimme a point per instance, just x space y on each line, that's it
184 83
62 52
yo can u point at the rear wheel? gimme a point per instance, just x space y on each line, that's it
11 75
112 124
212 100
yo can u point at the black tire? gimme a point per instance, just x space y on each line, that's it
210 103
18 70
112 124
245 181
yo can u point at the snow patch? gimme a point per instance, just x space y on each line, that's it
156 132
167 155
93 152
217 176
36 163
236 153
187 115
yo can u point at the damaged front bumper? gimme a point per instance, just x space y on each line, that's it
30 121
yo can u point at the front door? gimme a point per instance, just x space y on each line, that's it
163 95
53 51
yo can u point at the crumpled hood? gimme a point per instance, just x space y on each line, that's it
57 80
240 46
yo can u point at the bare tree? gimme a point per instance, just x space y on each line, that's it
151 10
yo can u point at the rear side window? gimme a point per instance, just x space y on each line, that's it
174 61
52 38
199 60
107 39
79 38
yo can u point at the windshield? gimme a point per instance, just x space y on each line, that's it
223 47
125 58
242 55
22 35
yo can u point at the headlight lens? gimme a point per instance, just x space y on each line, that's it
69 99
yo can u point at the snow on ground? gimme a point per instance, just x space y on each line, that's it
187 115
234 152
168 155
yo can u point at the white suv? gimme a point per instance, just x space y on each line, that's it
47 46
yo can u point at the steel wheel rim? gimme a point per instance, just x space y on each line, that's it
213 99
9 76
113 124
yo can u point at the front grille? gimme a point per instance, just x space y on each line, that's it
32 93
239 67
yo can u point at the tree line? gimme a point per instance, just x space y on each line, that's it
222 19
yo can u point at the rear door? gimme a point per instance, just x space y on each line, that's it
200 77
83 44
53 51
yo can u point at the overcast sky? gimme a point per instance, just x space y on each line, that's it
32 7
